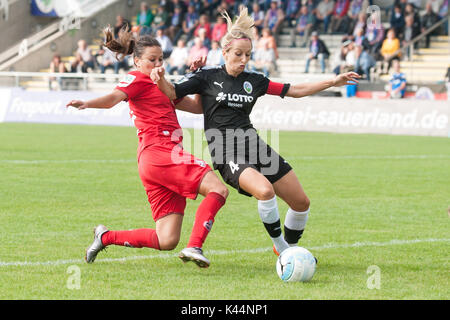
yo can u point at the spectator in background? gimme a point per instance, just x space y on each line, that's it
256 41
168 5
190 22
176 23
360 39
224 6
207 8
203 23
317 51
356 8
411 31
121 23
397 20
361 23
435 5
390 50
303 27
338 60
364 62
205 40
374 35
198 6
258 16
274 17
56 66
181 4
145 19
108 60
266 36
350 58
219 29
443 9
263 60
397 84
323 13
215 56
161 18
428 20
264 4
178 59
84 60
410 10
197 51
164 41
339 15
442 13
291 7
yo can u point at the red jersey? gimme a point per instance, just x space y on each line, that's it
153 113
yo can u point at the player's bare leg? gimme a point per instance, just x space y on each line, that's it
168 229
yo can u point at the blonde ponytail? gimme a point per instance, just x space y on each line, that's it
240 29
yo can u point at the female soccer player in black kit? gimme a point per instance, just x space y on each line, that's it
243 159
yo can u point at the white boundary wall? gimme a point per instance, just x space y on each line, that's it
339 115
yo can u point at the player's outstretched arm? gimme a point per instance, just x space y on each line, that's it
104 102
307 89
157 76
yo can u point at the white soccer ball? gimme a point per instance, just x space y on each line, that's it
296 264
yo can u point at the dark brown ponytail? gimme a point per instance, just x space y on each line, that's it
126 43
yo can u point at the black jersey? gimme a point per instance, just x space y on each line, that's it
227 103
227 100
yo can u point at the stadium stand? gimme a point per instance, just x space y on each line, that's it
418 63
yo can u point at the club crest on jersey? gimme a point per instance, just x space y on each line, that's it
126 81
248 87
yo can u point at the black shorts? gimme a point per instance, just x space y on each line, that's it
263 158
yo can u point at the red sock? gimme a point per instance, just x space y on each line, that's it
204 218
132 238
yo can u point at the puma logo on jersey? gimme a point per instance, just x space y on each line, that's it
219 84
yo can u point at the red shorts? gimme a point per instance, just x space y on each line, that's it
170 175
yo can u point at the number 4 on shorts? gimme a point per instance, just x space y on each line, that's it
233 166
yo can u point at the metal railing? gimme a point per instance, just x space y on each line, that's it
412 43
84 80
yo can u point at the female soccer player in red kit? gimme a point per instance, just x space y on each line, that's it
168 173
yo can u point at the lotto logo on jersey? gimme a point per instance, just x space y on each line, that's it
233 98
126 81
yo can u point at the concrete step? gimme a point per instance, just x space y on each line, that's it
439 45
416 78
444 59
434 51
440 38
424 65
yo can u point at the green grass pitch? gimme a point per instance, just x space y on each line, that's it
376 200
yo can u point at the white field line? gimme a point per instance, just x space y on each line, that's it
341 157
221 253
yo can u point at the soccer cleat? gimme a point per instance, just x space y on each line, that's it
97 245
195 255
